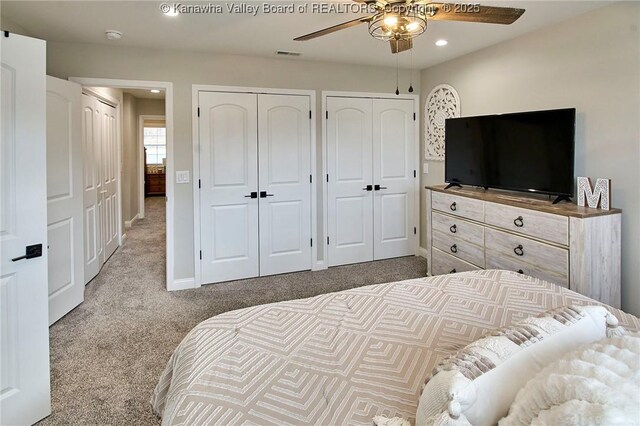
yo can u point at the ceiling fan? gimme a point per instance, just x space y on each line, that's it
399 21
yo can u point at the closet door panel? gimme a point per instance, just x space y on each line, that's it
393 158
349 159
92 185
109 191
229 174
284 135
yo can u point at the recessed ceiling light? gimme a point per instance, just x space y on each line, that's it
113 34
442 42
154 91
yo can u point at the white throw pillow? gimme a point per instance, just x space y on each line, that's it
598 384
478 384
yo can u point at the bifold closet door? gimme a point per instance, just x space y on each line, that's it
229 176
393 176
109 192
284 146
92 158
350 187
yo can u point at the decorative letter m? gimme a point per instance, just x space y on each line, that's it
601 194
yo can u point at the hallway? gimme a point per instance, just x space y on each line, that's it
108 353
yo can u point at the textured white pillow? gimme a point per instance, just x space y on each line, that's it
478 384
598 384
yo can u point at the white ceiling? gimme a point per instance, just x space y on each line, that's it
144 93
144 25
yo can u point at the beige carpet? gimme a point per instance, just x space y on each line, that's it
108 353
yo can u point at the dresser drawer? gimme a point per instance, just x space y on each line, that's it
545 226
443 263
459 206
497 261
456 246
523 250
459 227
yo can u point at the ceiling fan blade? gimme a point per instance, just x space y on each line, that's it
398 46
335 28
471 12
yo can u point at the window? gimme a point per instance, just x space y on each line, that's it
155 141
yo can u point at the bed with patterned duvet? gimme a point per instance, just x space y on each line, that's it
342 358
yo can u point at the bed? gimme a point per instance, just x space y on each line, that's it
342 358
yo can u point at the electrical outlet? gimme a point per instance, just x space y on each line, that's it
182 176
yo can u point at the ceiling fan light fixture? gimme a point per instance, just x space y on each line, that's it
406 25
391 21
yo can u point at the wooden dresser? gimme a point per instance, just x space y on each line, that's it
154 183
576 247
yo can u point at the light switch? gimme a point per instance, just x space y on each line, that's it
182 176
425 167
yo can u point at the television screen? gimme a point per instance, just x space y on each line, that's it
527 151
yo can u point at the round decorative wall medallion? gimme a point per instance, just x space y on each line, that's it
443 102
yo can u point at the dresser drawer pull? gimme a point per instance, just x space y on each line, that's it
453 207
520 271
519 251
453 229
454 248
519 222
453 271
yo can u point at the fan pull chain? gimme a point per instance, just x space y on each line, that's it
411 72
397 79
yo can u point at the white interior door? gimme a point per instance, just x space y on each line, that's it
393 175
64 197
24 332
284 135
349 166
92 186
229 175
109 192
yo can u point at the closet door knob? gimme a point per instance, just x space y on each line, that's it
378 187
252 195
519 222
368 188
453 207
454 248
453 228
519 251
263 194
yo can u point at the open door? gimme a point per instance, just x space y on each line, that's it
64 197
24 331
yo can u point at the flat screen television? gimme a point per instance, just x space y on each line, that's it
525 151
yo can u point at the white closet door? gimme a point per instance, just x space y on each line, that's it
64 197
229 174
349 165
284 135
92 154
393 160
24 331
109 190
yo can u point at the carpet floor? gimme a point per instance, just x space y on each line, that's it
107 354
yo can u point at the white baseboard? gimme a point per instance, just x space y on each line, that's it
182 284
124 237
129 223
319 266
422 252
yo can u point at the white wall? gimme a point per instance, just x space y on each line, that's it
592 63
187 68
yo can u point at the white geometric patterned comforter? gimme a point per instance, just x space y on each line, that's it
342 358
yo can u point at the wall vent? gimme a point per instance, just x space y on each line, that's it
287 53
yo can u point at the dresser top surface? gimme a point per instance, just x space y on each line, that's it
524 201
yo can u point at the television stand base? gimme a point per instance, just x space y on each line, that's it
561 198
451 185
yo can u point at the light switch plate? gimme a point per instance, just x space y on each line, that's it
182 176
425 167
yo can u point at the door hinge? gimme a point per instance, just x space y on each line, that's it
310 178
198 111
327 177
327 240
200 254
166 199
309 114
327 114
415 230
312 242
6 34
199 183
415 174
414 116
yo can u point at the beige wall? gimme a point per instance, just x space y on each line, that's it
592 63
187 68
129 184
150 106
